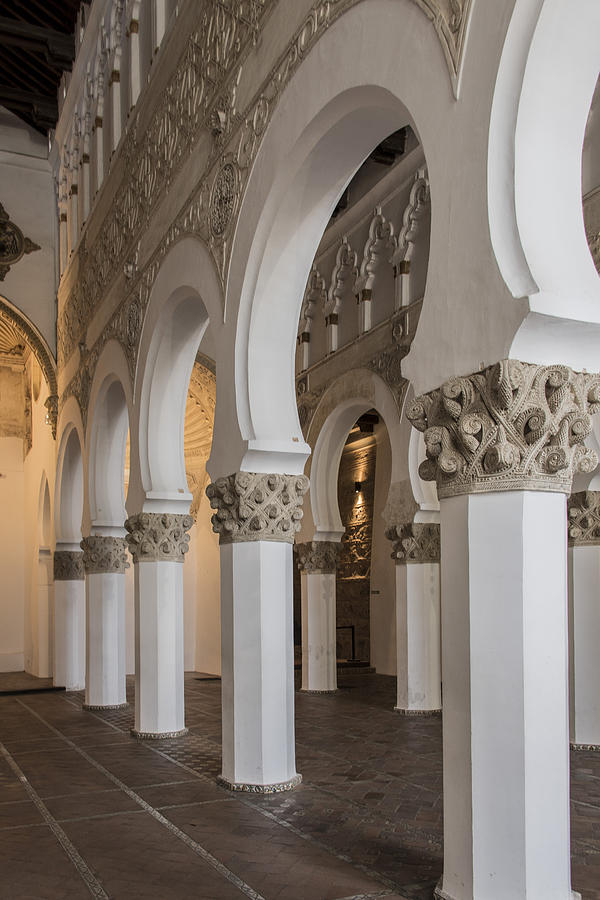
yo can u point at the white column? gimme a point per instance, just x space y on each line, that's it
105 560
364 300
69 619
42 613
257 518
158 542
402 283
503 446
418 620
505 717
317 561
584 613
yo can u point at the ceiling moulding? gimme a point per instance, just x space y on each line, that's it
450 19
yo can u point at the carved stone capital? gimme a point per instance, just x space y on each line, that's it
583 510
156 537
513 426
318 556
415 543
257 507
68 565
104 554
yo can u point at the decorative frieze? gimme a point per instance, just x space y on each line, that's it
257 507
104 554
318 556
157 537
415 543
512 426
68 565
583 510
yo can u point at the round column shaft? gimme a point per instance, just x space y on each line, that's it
69 619
257 517
158 542
105 561
317 562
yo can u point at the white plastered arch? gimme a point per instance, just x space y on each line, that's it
186 295
343 99
344 401
109 415
546 80
68 492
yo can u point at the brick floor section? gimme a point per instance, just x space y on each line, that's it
146 819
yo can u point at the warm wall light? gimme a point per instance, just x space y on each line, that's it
358 487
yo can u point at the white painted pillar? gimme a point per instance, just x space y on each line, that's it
331 327
42 615
257 518
158 542
105 560
584 614
402 283
69 619
418 645
364 300
317 561
505 717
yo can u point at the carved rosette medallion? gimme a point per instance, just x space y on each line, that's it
318 557
13 244
104 554
158 537
223 199
68 565
257 507
513 426
415 543
583 511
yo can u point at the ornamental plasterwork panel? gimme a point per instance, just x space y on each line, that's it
415 543
201 97
13 243
318 557
158 537
583 522
512 426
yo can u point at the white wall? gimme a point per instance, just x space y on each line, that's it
28 198
383 570
12 554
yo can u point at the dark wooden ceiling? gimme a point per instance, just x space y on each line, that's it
36 45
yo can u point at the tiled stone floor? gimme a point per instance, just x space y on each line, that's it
102 814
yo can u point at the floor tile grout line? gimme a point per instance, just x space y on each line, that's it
93 885
170 826
127 812
284 824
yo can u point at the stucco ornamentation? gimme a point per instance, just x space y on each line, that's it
583 511
513 426
203 84
68 565
415 543
13 243
104 554
257 507
318 556
157 537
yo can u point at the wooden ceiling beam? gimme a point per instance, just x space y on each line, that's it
58 49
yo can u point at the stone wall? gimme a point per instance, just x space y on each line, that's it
354 571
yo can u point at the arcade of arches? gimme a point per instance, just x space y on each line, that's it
299 454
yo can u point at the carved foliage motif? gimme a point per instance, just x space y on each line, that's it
202 92
415 543
584 518
257 507
155 537
318 556
513 426
13 244
104 554
68 565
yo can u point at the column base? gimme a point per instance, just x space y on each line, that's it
157 735
311 691
417 712
93 706
440 894
260 788
584 746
